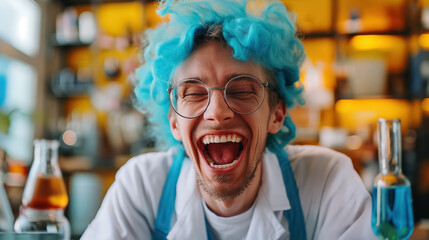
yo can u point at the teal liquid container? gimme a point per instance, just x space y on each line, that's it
392 209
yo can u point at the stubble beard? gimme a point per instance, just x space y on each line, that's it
229 191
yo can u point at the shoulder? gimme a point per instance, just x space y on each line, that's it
309 152
154 163
320 171
318 166
328 184
129 207
142 178
310 158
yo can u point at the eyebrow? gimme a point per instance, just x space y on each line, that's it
203 78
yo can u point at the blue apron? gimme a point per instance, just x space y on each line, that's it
168 198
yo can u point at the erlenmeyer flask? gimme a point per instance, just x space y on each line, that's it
45 197
392 210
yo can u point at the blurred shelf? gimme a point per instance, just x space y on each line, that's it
71 44
76 91
333 34
387 32
312 35
72 164
54 42
67 3
375 97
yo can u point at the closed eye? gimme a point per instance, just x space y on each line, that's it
241 95
195 97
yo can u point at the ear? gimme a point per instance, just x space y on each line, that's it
277 117
174 126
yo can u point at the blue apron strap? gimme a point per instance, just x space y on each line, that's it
209 232
294 215
168 199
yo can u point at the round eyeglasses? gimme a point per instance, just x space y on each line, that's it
243 94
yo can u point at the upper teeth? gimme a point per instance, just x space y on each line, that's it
222 139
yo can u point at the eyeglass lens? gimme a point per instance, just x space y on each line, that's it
243 94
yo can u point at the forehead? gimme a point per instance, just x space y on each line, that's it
213 62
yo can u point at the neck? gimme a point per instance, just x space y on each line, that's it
239 204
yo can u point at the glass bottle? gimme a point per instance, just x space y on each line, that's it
392 210
45 197
6 214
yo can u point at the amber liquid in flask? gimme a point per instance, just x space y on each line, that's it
49 193
45 196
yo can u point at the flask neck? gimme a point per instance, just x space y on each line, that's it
389 146
46 158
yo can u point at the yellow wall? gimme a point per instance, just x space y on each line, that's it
115 19
311 15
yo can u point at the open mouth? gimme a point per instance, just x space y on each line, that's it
222 151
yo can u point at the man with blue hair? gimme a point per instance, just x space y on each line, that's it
216 83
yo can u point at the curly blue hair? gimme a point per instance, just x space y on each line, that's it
259 30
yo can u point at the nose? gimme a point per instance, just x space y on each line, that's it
218 110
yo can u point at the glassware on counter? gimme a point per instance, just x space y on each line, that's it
6 215
392 210
45 196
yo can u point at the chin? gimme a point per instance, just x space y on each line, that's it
226 186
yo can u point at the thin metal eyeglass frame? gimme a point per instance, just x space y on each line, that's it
263 84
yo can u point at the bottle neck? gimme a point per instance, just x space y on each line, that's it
391 166
389 148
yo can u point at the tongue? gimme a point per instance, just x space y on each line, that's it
223 153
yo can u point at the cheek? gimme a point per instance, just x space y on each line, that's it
186 132
185 135
259 133
262 125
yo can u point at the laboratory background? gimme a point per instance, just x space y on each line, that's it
66 74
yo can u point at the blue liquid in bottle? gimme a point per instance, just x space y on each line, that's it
392 215
392 210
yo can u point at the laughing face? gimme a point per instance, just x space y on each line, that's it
225 147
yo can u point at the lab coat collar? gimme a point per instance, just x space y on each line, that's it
188 208
272 185
271 198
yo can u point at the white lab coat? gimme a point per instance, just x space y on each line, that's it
335 203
